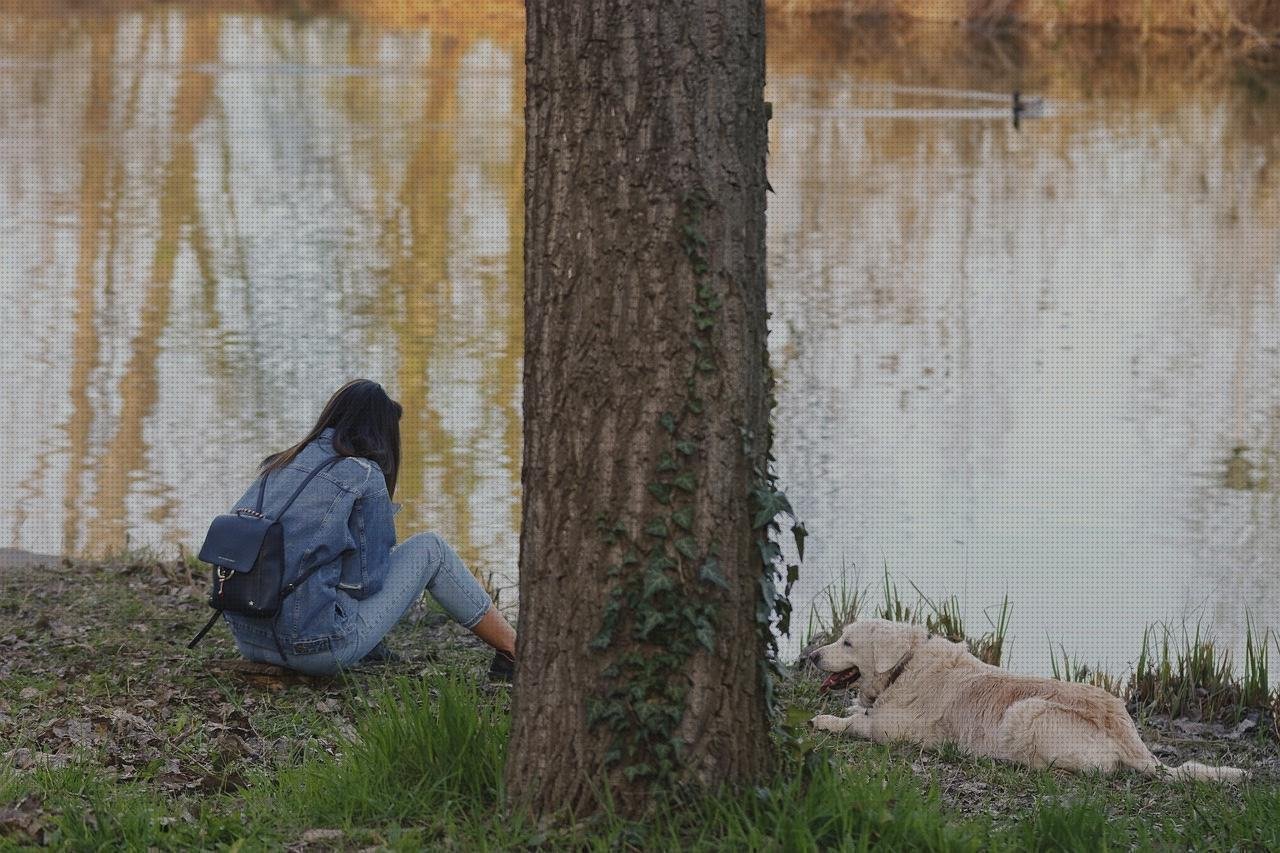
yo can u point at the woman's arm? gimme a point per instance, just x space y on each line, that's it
374 520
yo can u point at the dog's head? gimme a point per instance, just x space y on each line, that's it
868 648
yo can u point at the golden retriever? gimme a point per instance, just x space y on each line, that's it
917 687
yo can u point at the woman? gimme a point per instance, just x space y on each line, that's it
340 539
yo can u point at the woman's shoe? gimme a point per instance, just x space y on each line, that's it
502 670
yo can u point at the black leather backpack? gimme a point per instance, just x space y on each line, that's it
246 550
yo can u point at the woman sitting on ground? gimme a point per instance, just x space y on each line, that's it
340 530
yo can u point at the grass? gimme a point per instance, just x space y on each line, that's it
423 769
153 747
404 765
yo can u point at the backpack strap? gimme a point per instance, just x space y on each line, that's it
205 629
328 463
262 486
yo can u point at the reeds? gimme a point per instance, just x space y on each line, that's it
831 610
1188 675
1068 669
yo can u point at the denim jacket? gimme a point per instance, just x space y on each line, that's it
341 522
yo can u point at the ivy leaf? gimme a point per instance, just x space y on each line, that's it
652 620
797 717
656 582
768 693
695 405
769 551
706 635
661 491
602 640
686 482
659 562
686 447
710 572
667 463
668 422
793 575
768 598
771 502
683 517
632 771
687 546
799 532
657 527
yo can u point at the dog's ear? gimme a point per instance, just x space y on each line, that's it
890 644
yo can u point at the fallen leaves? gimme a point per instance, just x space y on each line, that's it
23 822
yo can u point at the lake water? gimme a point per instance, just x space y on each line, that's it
1041 362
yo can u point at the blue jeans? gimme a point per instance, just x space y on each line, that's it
423 561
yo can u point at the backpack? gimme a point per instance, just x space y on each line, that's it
245 549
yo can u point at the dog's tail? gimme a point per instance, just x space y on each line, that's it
1141 758
1201 772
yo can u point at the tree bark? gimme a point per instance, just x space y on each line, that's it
646 402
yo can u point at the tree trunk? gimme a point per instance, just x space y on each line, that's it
646 403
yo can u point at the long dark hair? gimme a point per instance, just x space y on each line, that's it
366 423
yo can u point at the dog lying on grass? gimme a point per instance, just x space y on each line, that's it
917 687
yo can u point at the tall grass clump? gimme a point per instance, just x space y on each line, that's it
1190 678
1255 692
1069 669
831 610
894 608
427 749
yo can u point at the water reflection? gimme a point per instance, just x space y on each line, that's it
1039 361
1016 362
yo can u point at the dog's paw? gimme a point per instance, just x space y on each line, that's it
827 723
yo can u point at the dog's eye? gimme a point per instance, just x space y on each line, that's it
849 644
